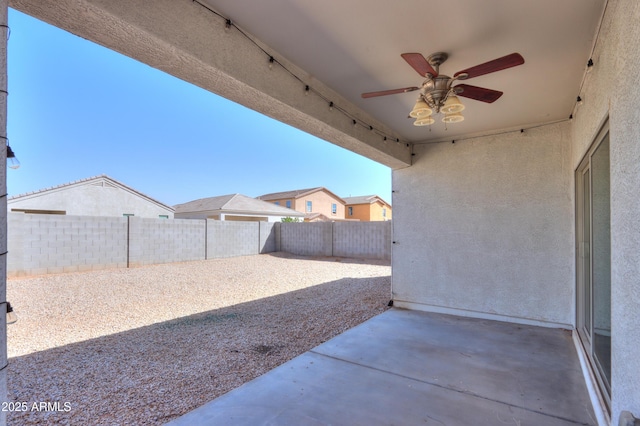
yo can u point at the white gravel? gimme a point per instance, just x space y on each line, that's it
146 345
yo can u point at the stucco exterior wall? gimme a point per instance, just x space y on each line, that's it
320 203
360 212
231 216
484 227
283 203
611 90
368 212
490 217
92 200
376 212
244 218
3 204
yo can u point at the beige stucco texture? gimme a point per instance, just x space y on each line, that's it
376 211
485 226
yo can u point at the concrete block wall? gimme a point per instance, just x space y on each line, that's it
307 239
154 241
229 239
46 244
368 240
269 233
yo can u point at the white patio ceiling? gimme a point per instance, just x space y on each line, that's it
354 47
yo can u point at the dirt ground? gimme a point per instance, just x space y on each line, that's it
146 345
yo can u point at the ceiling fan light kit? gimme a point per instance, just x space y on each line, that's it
437 93
453 118
452 105
420 109
424 121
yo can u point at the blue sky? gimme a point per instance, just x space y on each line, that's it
76 110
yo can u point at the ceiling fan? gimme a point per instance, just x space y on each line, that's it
437 93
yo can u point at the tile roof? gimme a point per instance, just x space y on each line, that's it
236 203
364 199
289 194
296 193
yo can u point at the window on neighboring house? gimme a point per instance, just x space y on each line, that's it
163 216
309 207
277 203
334 208
288 204
350 211
384 212
127 214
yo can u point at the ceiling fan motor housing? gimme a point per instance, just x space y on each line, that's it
435 91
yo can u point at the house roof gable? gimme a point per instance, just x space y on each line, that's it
236 203
104 179
297 193
364 199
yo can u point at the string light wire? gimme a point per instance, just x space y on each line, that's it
272 61
504 132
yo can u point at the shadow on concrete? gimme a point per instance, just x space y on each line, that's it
153 374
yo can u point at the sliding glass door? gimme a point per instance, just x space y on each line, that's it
593 249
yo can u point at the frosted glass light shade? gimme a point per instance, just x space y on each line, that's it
452 118
424 121
420 109
452 105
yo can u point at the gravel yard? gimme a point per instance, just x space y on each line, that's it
146 345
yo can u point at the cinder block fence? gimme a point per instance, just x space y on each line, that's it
47 244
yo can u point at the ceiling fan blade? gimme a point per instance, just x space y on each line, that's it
478 93
389 92
505 62
419 63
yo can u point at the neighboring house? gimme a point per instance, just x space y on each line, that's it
95 196
234 207
310 202
367 208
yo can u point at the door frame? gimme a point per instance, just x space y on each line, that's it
585 331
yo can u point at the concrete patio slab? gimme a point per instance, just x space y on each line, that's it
408 367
